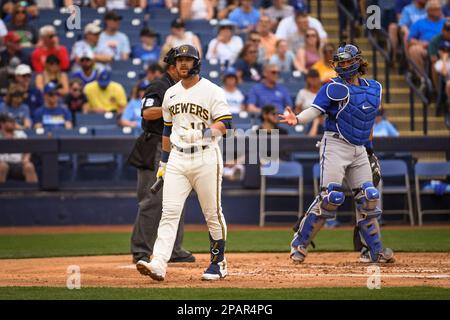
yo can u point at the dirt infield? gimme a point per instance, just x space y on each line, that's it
255 270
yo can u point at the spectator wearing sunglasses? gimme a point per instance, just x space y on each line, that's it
33 96
52 114
49 45
15 107
53 73
8 6
269 119
269 91
20 25
247 66
75 100
308 55
88 70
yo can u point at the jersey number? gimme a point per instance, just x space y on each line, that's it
198 125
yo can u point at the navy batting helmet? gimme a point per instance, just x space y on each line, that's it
347 52
186 50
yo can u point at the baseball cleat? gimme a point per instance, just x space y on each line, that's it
216 271
386 256
298 253
151 269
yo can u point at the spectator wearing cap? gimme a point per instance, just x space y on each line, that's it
75 100
235 98
7 75
33 96
269 91
49 46
410 15
52 114
105 95
12 50
15 166
53 73
14 106
196 9
423 31
22 27
268 38
324 65
148 50
278 11
179 36
112 38
245 16
382 126
88 71
153 72
284 58
269 119
226 46
306 96
132 117
102 53
288 25
247 66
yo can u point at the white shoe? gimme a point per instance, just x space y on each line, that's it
154 269
216 271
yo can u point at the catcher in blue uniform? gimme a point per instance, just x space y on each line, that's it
350 104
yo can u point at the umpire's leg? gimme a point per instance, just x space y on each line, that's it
145 228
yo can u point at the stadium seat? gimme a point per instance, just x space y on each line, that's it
91 120
287 171
397 168
429 170
161 14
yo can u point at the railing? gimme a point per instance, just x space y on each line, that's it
423 92
351 21
387 56
319 8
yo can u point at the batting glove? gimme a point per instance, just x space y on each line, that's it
191 135
161 170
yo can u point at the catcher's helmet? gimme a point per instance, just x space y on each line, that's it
170 57
186 50
347 52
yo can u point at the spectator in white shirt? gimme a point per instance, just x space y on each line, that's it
306 96
233 95
113 38
226 46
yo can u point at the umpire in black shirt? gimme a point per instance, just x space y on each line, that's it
145 157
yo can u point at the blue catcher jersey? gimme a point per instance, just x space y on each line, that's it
353 117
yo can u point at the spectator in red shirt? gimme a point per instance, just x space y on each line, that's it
48 45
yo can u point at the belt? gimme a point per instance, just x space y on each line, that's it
191 149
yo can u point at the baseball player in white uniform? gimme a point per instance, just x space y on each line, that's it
196 115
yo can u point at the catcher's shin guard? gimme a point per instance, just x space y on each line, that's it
369 230
310 225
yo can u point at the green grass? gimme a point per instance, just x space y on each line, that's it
58 245
46 293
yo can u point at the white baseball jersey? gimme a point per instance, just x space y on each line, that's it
197 107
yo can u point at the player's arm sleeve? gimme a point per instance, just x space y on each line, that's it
153 97
308 115
322 102
220 111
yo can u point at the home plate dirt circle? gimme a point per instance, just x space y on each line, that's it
246 270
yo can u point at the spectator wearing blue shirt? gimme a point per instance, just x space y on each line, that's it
247 67
409 15
14 107
245 16
88 72
382 127
423 31
52 115
113 38
33 97
132 116
148 50
269 92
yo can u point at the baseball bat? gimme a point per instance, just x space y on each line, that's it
157 185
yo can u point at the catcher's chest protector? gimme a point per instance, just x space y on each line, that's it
356 115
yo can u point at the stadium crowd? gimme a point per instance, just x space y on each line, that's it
45 83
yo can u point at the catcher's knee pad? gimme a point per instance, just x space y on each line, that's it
369 230
216 249
331 198
309 227
367 199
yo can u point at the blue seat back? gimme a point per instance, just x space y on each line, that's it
286 170
433 169
393 168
